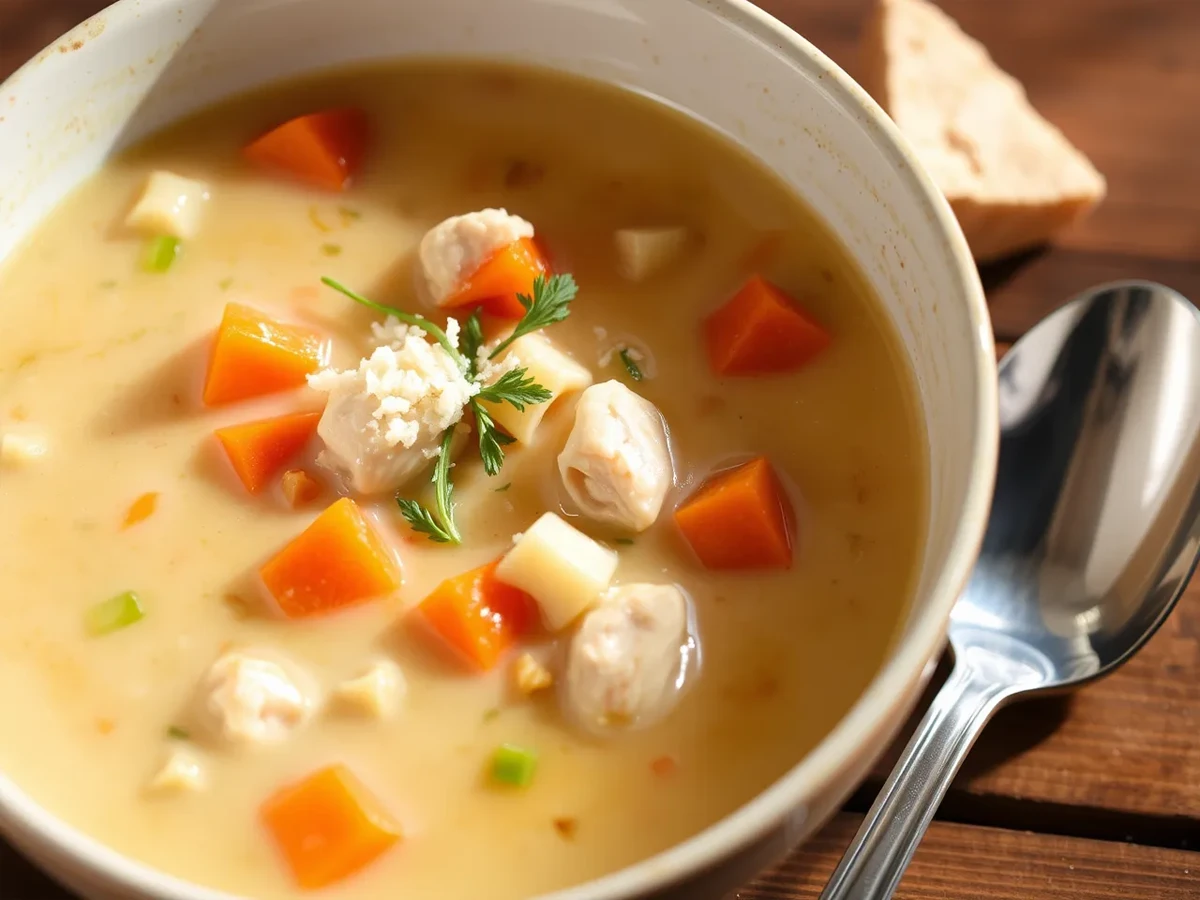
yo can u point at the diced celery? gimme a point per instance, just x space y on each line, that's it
513 765
160 253
114 614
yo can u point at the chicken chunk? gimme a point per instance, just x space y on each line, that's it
629 660
384 421
454 249
182 773
376 693
169 205
254 697
616 464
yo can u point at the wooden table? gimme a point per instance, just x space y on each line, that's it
1097 795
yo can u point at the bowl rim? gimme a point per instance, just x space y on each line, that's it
43 835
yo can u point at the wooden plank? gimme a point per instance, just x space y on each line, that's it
963 862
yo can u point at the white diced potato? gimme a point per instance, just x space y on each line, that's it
562 568
549 367
182 773
19 450
530 675
170 205
642 252
376 693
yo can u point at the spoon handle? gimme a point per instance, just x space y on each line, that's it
875 862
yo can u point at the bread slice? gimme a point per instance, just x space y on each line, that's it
1011 177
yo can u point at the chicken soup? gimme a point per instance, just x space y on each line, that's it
438 480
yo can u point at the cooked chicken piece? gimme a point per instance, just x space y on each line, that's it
377 692
1011 177
627 663
530 675
182 773
254 697
616 464
384 421
454 249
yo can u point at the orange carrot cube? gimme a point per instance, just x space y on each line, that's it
495 284
254 354
322 149
257 450
477 616
740 518
338 561
328 826
761 331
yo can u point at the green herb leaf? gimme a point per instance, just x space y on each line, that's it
441 527
550 303
504 487
225 284
513 765
407 318
515 388
422 520
114 614
491 440
177 733
349 214
160 253
471 340
630 365
331 249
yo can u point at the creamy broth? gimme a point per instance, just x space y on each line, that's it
105 361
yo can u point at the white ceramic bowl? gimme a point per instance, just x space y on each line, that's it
143 63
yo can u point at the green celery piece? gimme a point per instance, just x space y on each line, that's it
513 765
114 614
160 253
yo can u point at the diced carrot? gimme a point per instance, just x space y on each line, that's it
740 519
323 149
337 561
761 331
495 284
328 826
254 354
478 616
141 509
257 450
299 488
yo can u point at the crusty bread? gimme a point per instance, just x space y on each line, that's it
1011 177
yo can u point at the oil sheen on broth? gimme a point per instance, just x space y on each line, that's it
104 362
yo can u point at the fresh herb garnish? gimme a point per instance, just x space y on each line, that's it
225 284
331 249
631 365
504 487
491 440
349 214
440 528
515 388
625 541
177 733
550 303
471 340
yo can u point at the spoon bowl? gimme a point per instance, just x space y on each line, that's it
1093 534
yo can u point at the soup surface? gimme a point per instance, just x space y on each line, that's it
102 367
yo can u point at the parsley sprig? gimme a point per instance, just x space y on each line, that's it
549 303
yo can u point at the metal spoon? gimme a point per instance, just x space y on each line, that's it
1093 534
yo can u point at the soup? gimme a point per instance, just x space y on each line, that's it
285 657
